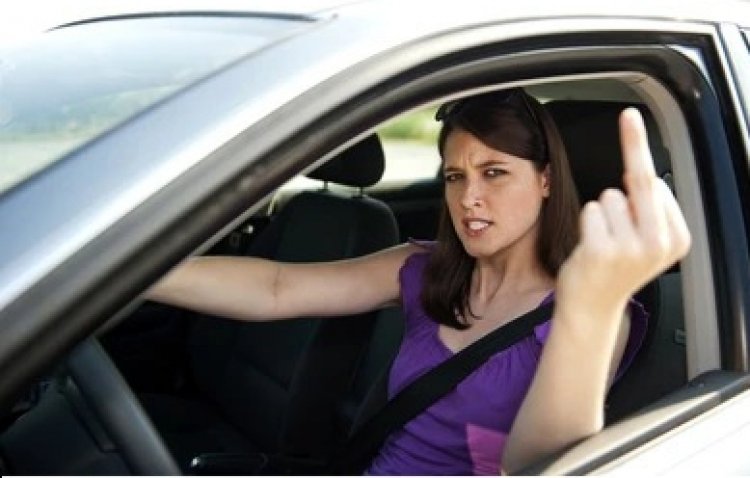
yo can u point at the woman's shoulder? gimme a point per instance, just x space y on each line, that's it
423 245
407 258
418 256
411 272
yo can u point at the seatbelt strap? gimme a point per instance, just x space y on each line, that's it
429 388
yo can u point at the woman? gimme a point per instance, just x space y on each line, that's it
507 240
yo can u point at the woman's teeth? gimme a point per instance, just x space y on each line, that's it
477 225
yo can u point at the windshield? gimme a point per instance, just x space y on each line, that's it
70 85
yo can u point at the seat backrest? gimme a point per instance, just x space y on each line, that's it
590 133
280 382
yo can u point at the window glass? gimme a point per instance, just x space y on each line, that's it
410 144
410 147
65 87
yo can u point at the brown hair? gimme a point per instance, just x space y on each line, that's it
513 122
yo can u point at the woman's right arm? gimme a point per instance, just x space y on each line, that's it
247 288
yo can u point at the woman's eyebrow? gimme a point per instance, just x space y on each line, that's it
483 164
493 162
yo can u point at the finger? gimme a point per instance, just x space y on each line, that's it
618 217
639 175
678 229
593 224
636 155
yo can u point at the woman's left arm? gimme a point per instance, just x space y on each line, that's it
626 241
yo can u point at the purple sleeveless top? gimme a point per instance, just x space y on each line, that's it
463 433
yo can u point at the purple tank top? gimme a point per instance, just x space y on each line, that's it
464 432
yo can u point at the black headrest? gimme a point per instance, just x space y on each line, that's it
591 136
361 165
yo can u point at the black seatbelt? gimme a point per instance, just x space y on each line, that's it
416 397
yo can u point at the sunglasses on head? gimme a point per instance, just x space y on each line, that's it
453 108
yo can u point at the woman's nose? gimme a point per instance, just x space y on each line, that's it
472 194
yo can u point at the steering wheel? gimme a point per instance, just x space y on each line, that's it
119 411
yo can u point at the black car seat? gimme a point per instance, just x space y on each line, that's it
279 384
591 135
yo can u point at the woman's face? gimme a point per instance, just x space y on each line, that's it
494 198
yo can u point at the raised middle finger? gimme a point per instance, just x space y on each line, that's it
641 183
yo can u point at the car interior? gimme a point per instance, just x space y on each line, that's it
221 389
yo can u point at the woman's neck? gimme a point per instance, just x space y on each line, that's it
514 272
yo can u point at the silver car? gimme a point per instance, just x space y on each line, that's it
134 137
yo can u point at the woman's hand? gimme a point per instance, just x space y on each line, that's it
627 239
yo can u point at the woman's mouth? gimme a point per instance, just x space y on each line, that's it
475 227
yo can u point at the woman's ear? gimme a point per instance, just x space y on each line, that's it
546 180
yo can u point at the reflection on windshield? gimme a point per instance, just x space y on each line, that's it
70 85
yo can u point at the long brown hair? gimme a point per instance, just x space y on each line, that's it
513 122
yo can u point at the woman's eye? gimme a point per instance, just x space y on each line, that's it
494 172
452 177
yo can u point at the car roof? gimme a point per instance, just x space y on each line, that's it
458 13
34 16
39 15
